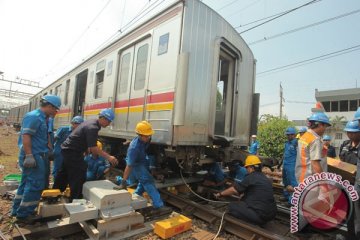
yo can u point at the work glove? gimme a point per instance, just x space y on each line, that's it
29 161
122 186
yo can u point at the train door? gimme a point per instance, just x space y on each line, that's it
132 85
80 91
224 94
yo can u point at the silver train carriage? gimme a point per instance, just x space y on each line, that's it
185 70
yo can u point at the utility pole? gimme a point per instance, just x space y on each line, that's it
281 100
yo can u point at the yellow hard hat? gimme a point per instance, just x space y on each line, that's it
99 145
144 128
252 160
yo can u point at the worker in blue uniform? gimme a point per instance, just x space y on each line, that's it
254 146
60 136
137 164
236 171
33 157
97 165
289 160
215 176
331 152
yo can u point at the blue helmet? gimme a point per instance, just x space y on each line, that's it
302 130
319 117
327 138
77 119
357 114
108 114
53 100
290 130
352 126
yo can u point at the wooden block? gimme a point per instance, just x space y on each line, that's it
203 235
346 170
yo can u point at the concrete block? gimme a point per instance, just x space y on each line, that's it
114 213
138 202
81 212
48 210
127 223
102 195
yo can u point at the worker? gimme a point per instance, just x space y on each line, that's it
311 155
215 176
236 171
97 165
254 146
73 169
258 205
33 157
302 130
330 149
350 153
289 160
350 149
137 165
60 136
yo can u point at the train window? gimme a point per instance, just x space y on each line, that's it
51 91
163 44
109 68
141 62
67 87
124 73
99 84
58 90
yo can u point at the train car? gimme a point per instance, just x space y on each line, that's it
16 115
185 70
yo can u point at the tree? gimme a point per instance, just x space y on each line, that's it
271 135
338 122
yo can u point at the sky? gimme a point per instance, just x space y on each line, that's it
41 40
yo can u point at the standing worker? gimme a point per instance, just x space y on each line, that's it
33 157
301 132
137 165
350 149
73 169
289 160
311 157
330 149
350 153
258 205
254 146
60 136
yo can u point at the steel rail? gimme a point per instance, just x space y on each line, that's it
232 225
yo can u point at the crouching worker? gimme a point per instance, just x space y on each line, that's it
97 165
137 165
258 204
215 176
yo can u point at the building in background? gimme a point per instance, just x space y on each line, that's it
340 105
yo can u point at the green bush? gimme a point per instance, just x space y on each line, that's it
271 135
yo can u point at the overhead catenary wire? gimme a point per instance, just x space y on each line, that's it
281 15
311 60
305 27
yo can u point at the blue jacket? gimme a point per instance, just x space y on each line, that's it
290 151
34 124
96 167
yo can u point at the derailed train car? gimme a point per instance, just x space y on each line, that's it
185 70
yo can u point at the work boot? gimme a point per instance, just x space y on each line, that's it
161 211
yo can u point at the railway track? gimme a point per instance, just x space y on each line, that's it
211 215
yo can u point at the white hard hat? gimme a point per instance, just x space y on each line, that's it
254 136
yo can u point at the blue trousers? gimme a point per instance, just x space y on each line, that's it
31 186
147 184
289 178
57 163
